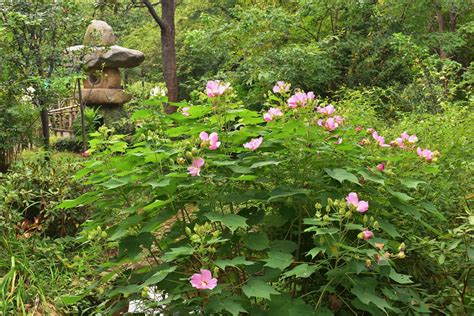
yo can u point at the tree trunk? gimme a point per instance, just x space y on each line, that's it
45 127
168 49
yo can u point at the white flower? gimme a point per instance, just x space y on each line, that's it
26 98
158 92
30 90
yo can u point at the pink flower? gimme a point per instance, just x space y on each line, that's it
425 153
353 199
275 112
272 112
254 143
367 234
195 168
281 87
203 280
380 139
216 88
358 129
412 139
185 110
330 124
300 99
204 136
327 110
339 120
212 139
381 167
86 154
404 135
339 141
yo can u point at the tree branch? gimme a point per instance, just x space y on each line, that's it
153 13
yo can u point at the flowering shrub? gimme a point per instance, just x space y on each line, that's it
260 213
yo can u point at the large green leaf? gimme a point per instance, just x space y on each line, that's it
342 175
301 271
232 221
279 260
175 253
256 241
159 276
285 192
237 261
259 289
411 183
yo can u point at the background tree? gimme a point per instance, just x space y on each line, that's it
36 35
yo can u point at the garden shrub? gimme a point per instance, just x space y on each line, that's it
31 190
300 209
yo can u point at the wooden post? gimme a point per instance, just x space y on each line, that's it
81 105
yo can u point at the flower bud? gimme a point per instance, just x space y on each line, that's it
401 255
368 263
181 160
189 155
402 247
375 225
188 231
365 219
326 218
342 211
348 214
195 151
318 206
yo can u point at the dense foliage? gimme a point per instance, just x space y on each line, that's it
321 163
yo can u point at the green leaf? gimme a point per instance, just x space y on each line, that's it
86 198
264 163
237 261
142 114
285 192
342 175
159 276
400 195
259 289
301 271
130 245
228 304
114 183
371 177
400 278
411 183
389 228
176 253
232 221
279 260
315 251
71 299
364 289
256 241
156 204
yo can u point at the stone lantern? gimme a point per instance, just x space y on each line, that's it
102 60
